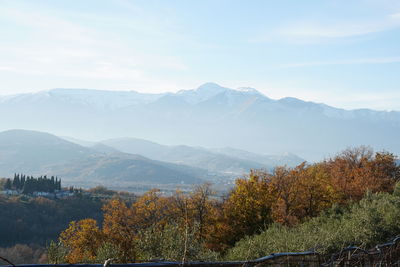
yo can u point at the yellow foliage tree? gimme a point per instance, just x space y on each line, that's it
151 209
119 226
246 211
82 239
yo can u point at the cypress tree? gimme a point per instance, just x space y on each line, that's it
16 182
22 183
28 187
8 185
58 184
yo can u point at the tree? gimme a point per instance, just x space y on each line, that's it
119 226
300 192
16 184
316 191
202 208
151 209
356 171
82 239
8 185
246 211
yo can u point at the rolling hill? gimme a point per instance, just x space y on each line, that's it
37 153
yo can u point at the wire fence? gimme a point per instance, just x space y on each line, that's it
387 254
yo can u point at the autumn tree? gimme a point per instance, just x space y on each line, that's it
316 191
120 228
151 209
300 192
82 239
285 188
246 210
356 171
287 196
202 208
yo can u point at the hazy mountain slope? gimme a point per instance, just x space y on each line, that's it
113 169
267 160
223 160
209 116
29 151
186 155
39 153
78 141
102 148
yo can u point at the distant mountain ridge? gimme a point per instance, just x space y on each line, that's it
124 161
219 161
209 116
37 153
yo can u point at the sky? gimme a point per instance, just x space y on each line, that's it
339 52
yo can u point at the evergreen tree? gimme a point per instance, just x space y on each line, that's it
52 184
8 185
58 186
30 184
22 183
16 184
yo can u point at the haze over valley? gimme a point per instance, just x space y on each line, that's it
126 163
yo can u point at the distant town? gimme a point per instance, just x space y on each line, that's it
37 187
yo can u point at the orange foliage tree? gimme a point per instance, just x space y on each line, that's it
300 192
120 228
356 171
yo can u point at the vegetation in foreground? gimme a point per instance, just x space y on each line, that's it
29 223
325 206
371 221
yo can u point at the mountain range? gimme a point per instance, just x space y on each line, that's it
209 116
222 161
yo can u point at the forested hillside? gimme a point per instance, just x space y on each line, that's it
26 220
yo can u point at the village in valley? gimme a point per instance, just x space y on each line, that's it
36 187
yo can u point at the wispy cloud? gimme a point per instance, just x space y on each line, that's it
341 29
383 60
309 31
54 46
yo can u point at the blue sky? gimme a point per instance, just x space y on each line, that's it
343 53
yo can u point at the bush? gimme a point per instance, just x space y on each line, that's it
371 221
20 254
173 243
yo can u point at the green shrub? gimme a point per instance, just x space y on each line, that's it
373 220
174 244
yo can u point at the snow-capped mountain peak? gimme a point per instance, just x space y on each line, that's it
247 90
202 93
